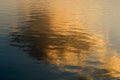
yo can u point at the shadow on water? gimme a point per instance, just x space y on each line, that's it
72 49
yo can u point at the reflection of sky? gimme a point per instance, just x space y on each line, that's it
111 20
7 15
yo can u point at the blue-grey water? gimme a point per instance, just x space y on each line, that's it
59 40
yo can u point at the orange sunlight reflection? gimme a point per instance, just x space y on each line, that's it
74 43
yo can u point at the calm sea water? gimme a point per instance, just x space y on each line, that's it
59 40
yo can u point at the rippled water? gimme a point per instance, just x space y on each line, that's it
59 40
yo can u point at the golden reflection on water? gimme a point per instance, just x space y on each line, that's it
57 36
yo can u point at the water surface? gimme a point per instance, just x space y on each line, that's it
59 40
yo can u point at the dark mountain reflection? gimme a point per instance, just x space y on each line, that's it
72 48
